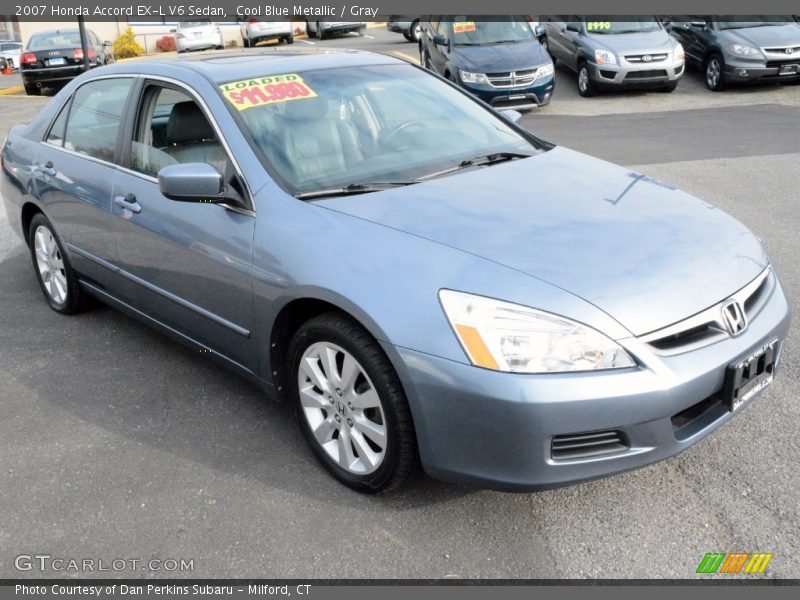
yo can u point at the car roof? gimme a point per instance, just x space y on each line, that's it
232 65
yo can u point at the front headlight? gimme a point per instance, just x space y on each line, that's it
744 50
544 71
604 57
680 55
468 77
508 337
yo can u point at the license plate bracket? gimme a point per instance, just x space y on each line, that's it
749 375
789 69
56 62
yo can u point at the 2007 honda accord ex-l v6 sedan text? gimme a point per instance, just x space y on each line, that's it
421 278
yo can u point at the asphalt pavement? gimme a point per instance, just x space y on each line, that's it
118 443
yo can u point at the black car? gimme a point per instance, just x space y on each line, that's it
53 58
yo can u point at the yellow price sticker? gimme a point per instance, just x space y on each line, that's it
258 91
464 27
598 25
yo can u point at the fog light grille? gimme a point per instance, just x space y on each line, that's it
586 445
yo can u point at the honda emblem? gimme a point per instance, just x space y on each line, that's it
733 317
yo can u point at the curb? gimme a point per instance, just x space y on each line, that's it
11 90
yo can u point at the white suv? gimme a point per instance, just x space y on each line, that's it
254 32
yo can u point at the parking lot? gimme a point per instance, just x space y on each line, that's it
118 443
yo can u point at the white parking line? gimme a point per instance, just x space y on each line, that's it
307 42
371 37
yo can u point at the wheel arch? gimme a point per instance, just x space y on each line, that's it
29 209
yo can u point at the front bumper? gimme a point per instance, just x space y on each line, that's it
538 94
497 429
627 74
741 71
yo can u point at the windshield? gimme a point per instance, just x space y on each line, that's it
332 128
470 31
193 24
753 21
7 47
61 39
606 24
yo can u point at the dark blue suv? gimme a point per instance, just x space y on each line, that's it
502 61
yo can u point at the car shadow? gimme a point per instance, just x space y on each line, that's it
114 372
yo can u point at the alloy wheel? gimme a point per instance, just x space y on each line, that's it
583 79
416 31
342 408
713 73
50 264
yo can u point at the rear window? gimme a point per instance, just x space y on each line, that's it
6 47
62 39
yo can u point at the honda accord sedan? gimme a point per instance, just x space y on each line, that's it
424 281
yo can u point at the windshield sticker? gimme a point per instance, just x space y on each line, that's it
598 25
259 91
464 27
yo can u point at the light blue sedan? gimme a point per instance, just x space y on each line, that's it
420 278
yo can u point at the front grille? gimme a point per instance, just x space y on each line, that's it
707 327
649 74
698 416
640 58
782 51
576 446
512 79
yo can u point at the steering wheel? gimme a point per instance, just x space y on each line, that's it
393 133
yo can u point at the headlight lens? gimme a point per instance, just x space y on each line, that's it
473 77
680 55
508 337
604 57
544 71
744 50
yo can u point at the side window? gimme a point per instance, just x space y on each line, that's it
56 135
95 117
173 129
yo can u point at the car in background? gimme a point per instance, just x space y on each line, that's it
323 29
608 53
198 35
734 50
254 31
10 53
409 26
499 61
53 58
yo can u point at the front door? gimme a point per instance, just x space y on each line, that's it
186 264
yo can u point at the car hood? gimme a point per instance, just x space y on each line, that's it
499 57
767 36
647 254
633 43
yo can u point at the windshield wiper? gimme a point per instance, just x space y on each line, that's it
478 161
353 188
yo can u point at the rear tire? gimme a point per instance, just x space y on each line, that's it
309 33
245 42
290 39
32 90
320 33
359 427
53 270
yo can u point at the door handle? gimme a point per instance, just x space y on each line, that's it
47 168
128 201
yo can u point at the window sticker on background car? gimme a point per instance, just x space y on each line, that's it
464 27
598 25
249 93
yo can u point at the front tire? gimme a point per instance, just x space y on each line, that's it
320 33
350 404
54 272
714 73
586 87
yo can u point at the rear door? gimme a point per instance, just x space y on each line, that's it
185 264
76 169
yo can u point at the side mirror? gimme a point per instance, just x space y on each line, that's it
191 182
540 32
511 115
173 30
573 27
107 44
440 40
699 25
